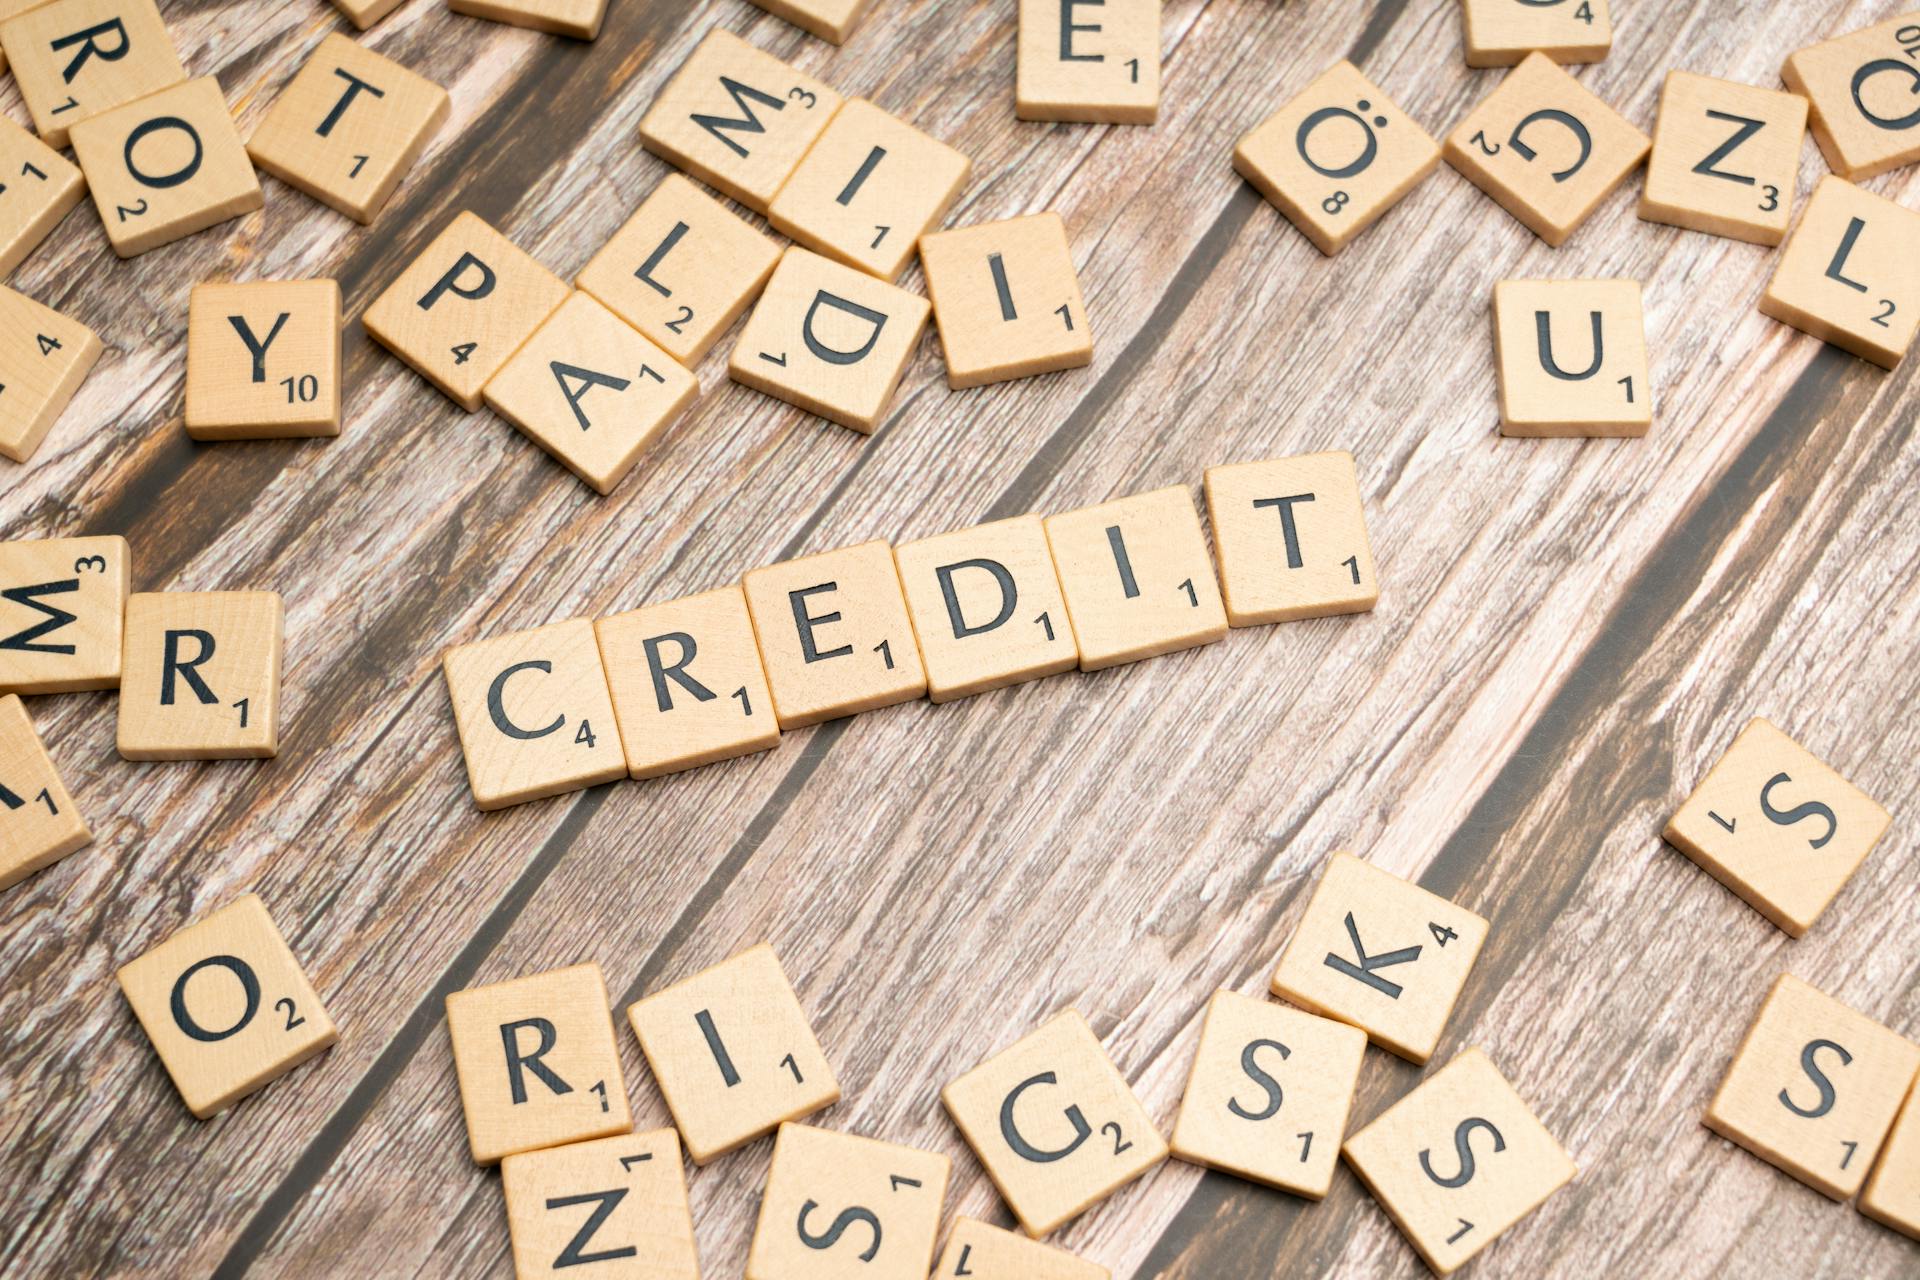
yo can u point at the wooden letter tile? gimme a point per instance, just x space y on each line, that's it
74 59
537 1063
591 390
1054 1123
462 308
842 1207
534 714
1500 33
834 634
200 676
1572 358
868 189
39 823
1726 158
1864 88
1137 578
987 1252
1814 1088
1892 1195
1458 1161
831 20
1007 300
227 1007
40 187
681 270
688 688
348 126
62 601
166 166
1381 953
44 357
737 119
1849 274
1095 61
830 339
733 1053
577 18
1268 1096
1336 157
1545 149
616 1206
263 360
986 607
364 13
1778 827
1292 538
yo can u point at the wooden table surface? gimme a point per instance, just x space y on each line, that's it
1568 634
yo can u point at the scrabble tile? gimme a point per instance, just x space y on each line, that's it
617 1206
200 676
988 1253
1007 300
1458 1161
364 13
74 59
1381 953
681 270
348 127
13 9
1726 158
1137 578
1545 149
1813 1088
1848 275
38 187
591 391
830 339
462 308
227 1006
39 822
536 1061
1268 1095
868 189
986 607
831 20
1500 33
1291 537
1572 358
1892 1194
1864 90
687 684
737 119
263 360
1778 827
44 357
834 634
1054 1123
1093 61
1336 157
842 1207
733 1053
577 18
534 715
166 166
62 601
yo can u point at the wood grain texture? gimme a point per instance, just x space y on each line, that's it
1568 633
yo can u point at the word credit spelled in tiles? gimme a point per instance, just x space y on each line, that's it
1849 274
263 360
1545 149
1381 953
74 59
63 602
1336 157
831 20
200 678
44 357
986 1252
617 1206
1726 158
579 19
1500 33
1007 300
1864 93
39 823
227 1006
537 1063
1458 1161
1572 358
40 188
842 1207
348 126
733 1053
1291 536
1892 1194
1814 1087
1088 61
1054 1123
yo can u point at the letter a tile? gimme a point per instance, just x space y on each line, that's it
39 822
1726 158
1572 358
74 59
988 1253
1849 274
842 1207
1007 300
1291 535
1864 88
263 360
615 1206
200 676
44 357
62 604
1092 61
